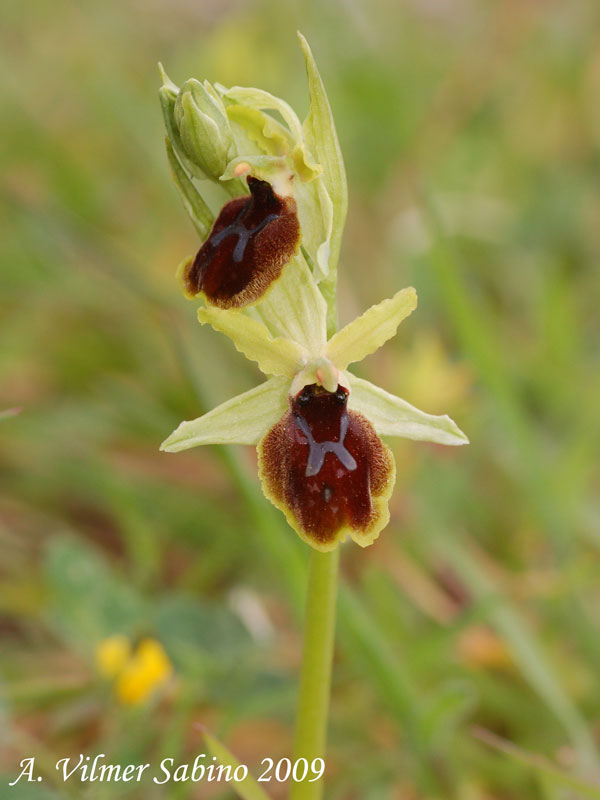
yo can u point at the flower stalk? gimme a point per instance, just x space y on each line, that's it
315 676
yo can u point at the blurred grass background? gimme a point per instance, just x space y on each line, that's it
471 135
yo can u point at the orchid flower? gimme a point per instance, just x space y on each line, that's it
266 275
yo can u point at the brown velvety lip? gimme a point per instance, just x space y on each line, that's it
251 241
325 466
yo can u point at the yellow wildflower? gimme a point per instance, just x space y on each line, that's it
137 672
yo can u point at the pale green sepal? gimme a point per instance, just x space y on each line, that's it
392 416
198 211
246 788
294 307
244 419
321 138
367 333
277 356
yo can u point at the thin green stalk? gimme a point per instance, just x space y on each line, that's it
315 677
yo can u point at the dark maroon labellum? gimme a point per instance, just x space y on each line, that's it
251 241
325 465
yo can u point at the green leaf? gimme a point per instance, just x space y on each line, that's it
244 419
87 601
247 789
196 632
447 709
392 416
539 764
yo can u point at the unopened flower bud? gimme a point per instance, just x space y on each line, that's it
204 128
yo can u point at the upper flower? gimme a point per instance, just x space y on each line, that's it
294 172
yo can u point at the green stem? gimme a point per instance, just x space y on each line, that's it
315 677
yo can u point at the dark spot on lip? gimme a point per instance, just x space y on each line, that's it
251 241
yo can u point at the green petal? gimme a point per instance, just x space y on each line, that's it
244 419
392 416
294 308
321 139
367 333
277 356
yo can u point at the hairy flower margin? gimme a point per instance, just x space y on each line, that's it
266 273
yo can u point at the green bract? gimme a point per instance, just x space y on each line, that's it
316 425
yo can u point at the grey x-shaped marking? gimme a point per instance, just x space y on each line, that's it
318 450
237 228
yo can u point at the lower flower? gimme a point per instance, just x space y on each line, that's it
327 470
